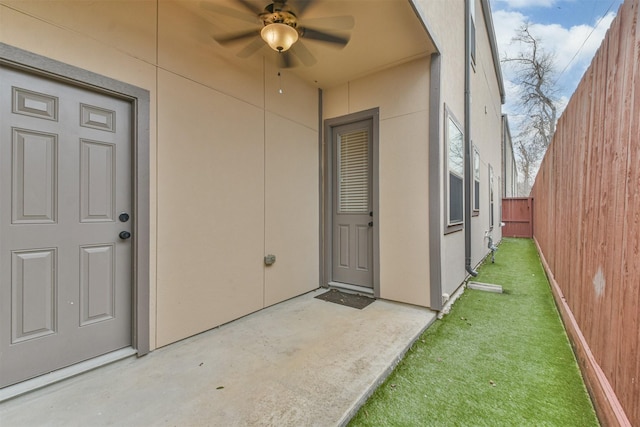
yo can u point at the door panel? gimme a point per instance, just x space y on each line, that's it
34 165
34 104
65 175
352 221
363 232
343 246
33 290
96 284
97 181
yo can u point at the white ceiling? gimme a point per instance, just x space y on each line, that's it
386 33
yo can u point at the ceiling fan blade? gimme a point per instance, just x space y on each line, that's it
230 38
227 11
303 54
251 48
344 22
302 5
311 34
251 6
285 60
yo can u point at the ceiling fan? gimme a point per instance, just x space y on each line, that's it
279 27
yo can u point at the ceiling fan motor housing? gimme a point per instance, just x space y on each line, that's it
279 17
280 27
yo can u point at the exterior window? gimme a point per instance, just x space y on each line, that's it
490 197
472 42
476 181
455 172
472 31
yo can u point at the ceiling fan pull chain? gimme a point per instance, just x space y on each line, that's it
280 91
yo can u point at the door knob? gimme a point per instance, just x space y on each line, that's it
124 235
370 223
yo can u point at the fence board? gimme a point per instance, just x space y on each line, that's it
621 144
587 218
629 314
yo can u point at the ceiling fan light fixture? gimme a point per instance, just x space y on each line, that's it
278 36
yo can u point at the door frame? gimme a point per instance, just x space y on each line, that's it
140 101
327 199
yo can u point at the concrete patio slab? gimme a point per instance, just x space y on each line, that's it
303 362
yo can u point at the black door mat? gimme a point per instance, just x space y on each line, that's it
345 298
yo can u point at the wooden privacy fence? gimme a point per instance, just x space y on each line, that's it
587 220
517 215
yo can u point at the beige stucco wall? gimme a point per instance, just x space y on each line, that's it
486 114
402 95
225 189
446 21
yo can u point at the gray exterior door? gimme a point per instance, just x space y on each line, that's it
352 204
65 180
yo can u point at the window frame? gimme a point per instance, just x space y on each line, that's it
491 199
455 224
476 181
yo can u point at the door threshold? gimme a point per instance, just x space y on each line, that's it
62 374
353 288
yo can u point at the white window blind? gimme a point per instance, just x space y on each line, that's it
353 188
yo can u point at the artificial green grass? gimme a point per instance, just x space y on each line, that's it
495 360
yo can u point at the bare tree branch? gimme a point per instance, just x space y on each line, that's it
534 71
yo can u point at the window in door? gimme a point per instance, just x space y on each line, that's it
353 179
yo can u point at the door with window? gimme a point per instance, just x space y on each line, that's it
65 224
352 245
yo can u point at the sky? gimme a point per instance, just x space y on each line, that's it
572 29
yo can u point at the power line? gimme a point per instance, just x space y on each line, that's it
584 42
